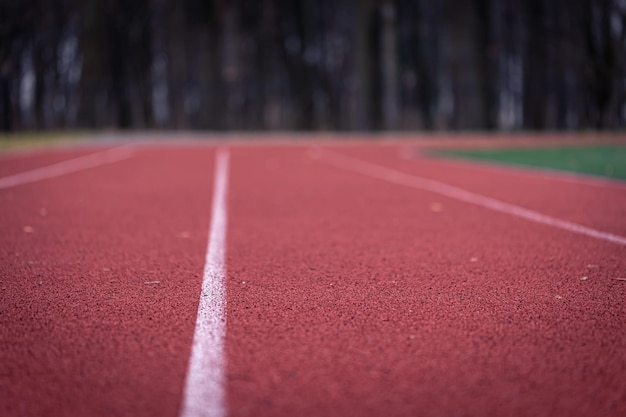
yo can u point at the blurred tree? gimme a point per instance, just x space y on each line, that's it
419 40
605 39
296 64
364 99
465 55
536 63
10 33
389 66
94 79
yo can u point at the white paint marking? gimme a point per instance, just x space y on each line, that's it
397 177
204 394
66 167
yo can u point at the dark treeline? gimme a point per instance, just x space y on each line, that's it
311 65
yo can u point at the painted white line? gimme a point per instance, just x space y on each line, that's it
387 174
66 167
204 394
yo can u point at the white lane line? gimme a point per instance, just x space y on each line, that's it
387 174
66 167
204 394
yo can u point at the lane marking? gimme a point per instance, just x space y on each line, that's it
67 167
387 174
204 394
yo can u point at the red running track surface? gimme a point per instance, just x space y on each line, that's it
346 295
82 333
16 162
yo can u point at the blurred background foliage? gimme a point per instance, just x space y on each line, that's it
313 64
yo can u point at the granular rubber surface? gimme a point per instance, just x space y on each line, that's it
13 163
100 277
346 294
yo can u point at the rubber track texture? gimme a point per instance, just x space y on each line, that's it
350 296
98 299
346 295
15 163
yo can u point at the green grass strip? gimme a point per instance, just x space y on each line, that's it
606 160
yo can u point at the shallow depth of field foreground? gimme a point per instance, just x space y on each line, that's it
323 276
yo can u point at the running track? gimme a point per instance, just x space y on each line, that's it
356 282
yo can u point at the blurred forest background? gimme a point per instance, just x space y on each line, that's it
313 64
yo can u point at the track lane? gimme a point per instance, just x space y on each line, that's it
547 174
349 296
99 296
588 205
15 163
346 295
396 177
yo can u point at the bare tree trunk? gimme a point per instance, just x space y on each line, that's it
535 65
176 53
6 116
40 66
389 66
424 44
605 55
363 99
144 62
488 63
464 60
230 70
119 69
93 77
